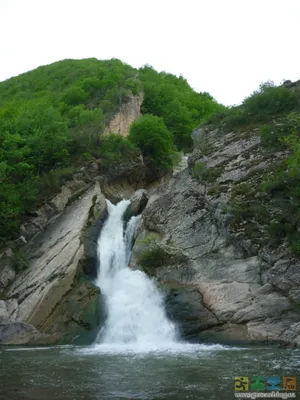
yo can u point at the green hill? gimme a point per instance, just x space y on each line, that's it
52 120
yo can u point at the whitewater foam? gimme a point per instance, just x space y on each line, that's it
135 307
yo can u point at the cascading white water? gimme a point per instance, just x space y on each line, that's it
136 314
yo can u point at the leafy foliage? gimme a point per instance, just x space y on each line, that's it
116 149
151 136
52 119
269 101
172 99
153 256
201 172
263 105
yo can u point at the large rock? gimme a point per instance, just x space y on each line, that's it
78 315
121 179
243 291
70 191
184 306
4 317
128 113
53 278
138 201
7 271
21 333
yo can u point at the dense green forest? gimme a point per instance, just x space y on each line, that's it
52 120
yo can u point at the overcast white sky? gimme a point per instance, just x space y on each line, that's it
225 47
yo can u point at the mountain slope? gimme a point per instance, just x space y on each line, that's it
52 121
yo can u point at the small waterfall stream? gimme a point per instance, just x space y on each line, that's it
136 315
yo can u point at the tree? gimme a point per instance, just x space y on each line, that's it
150 134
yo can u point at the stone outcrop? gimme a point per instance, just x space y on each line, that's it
53 294
7 272
228 285
4 317
138 201
128 113
122 179
21 333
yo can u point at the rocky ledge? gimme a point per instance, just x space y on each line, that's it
222 282
53 299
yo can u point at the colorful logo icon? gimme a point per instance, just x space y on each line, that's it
261 383
289 383
273 383
241 383
257 383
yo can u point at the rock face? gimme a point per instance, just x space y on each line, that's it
138 201
53 294
4 317
129 112
7 272
22 333
227 286
123 179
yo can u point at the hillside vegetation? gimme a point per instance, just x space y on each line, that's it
272 198
52 120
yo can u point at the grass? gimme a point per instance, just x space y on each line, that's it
202 173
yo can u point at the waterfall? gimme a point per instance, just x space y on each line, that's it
135 306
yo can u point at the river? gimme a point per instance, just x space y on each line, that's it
74 373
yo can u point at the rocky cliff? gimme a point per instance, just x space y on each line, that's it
47 293
128 113
223 280
53 300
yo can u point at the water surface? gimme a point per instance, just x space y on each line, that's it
104 372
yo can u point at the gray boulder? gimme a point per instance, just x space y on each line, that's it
7 272
139 201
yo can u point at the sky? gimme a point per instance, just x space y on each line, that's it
224 47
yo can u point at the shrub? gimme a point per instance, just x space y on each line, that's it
20 260
151 136
115 148
153 257
236 117
201 172
50 183
270 101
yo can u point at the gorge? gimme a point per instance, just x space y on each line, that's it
128 268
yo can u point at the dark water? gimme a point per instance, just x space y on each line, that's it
74 373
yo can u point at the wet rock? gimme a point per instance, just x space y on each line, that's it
246 291
4 317
138 201
16 333
184 306
7 271
53 275
21 241
78 314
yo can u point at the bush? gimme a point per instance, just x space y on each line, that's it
270 101
236 117
20 260
151 136
115 148
153 257
49 184
263 105
201 172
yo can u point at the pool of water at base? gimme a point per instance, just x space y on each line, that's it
111 372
